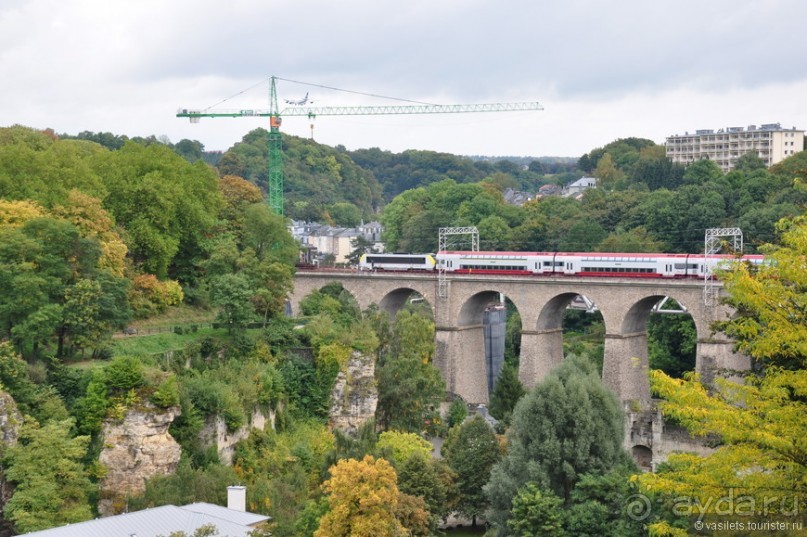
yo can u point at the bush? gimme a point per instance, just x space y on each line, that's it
167 393
457 412
124 373
150 295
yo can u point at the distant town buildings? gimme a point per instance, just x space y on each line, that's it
575 190
770 142
515 197
321 239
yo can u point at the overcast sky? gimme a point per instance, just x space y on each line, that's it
601 70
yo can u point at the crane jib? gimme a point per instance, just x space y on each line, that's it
275 115
370 110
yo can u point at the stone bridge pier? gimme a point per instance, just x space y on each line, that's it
624 303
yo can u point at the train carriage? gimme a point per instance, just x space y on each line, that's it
629 265
397 262
486 262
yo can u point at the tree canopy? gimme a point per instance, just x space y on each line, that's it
567 426
761 424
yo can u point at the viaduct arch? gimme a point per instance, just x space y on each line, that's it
625 304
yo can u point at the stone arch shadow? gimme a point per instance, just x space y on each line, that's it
542 347
626 365
467 373
397 299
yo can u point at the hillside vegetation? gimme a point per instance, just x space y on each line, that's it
99 233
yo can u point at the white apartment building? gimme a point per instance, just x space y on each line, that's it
725 146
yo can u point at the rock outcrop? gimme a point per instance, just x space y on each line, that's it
215 432
10 422
135 449
355 394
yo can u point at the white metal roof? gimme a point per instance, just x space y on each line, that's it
161 521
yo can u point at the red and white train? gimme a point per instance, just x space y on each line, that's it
632 265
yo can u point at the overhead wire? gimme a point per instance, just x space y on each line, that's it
323 86
239 93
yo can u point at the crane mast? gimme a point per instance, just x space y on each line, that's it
275 115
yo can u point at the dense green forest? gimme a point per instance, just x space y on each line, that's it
101 235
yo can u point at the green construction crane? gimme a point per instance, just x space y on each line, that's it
275 118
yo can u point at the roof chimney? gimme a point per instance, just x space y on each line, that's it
237 498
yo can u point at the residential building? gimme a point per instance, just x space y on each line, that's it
322 239
576 189
550 190
371 231
515 197
770 142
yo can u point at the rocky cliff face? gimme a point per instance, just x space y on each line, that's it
355 394
10 422
134 450
215 432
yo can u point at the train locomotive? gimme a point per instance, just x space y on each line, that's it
397 261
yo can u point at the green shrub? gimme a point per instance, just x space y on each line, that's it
457 412
167 393
124 373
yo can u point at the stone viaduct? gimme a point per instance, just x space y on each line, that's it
625 304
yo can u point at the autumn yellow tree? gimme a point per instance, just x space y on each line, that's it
92 220
607 172
16 212
363 498
760 427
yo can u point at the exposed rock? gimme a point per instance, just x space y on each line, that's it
355 394
10 422
134 450
215 432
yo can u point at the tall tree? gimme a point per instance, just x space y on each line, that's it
567 426
362 496
432 480
607 172
167 205
49 273
232 294
410 387
761 424
471 452
506 393
52 486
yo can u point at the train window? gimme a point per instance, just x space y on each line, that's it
402 259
